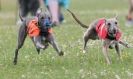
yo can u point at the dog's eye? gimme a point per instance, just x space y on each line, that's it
116 23
109 24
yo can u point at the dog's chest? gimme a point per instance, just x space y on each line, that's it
45 31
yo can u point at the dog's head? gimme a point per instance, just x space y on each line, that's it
112 26
44 20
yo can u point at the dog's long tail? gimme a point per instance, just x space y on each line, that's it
21 18
78 21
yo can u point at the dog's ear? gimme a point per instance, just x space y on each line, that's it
47 13
38 12
105 21
116 17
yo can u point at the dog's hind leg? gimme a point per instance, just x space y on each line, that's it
86 38
85 43
38 50
54 44
21 38
46 46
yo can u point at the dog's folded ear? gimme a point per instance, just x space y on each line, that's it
38 12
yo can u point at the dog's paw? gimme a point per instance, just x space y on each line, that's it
61 53
15 62
111 47
129 46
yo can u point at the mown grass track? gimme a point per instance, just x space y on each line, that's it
74 64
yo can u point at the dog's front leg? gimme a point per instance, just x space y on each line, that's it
21 38
37 43
117 48
105 51
124 44
54 44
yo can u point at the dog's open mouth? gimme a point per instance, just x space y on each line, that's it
112 34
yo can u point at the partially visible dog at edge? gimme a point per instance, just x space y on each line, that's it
40 31
105 29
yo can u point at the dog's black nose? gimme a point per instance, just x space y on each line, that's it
47 22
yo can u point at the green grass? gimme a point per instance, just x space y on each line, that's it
74 64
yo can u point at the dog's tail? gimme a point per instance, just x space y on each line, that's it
21 18
78 21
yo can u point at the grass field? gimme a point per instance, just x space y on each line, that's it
74 64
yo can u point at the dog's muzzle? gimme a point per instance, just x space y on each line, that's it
47 22
112 33
45 25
